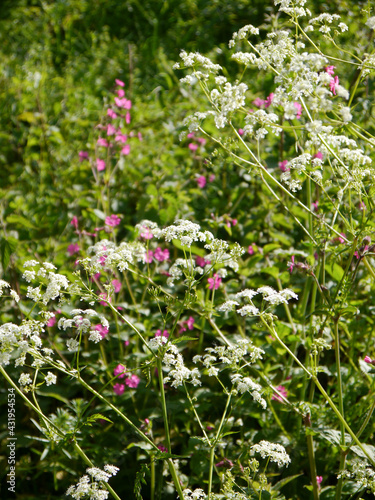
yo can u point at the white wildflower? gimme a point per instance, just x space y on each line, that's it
50 378
275 452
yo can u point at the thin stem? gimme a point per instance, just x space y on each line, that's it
164 404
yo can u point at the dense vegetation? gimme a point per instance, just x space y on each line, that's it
208 325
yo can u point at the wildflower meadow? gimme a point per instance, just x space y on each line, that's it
187 250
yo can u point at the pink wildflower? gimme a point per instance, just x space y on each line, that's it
123 103
105 299
102 142
291 265
269 100
333 84
315 205
202 141
119 389
103 331
201 181
149 256
282 165
121 138
100 165
161 255
95 277
190 323
318 155
140 136
214 282
73 248
125 150
368 360
225 463
251 250
211 178
112 220
240 131
190 135
83 155
119 371
162 448
111 129
146 233
192 146
127 118
116 285
298 107
281 389
342 240
120 83
121 92
330 70
74 222
201 262
356 254
132 381
159 333
51 322
111 113
258 102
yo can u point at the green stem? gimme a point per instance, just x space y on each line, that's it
164 404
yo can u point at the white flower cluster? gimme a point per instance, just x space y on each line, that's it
361 473
275 452
263 119
108 256
197 494
193 59
90 488
81 321
12 293
246 384
371 23
186 233
226 101
230 355
22 340
243 33
293 7
54 282
178 372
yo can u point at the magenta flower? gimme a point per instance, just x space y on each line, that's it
119 371
116 285
214 282
282 165
342 240
269 100
111 113
121 92
330 70
112 220
105 299
258 102
121 138
125 150
111 129
225 463
119 389
211 178
192 146
73 248
120 83
241 131
51 322
368 360
140 136
83 155
100 165
318 155
202 141
251 250
161 255
103 331
281 389
132 381
201 262
291 265
146 233
162 448
74 222
159 333
190 323
123 103
298 107
201 181
127 117
149 256
315 205
102 142
333 84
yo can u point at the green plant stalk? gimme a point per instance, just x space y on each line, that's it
321 389
163 404
212 460
152 486
311 454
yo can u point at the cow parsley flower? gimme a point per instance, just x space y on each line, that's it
275 452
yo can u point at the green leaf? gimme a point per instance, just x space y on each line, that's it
335 271
19 220
7 247
284 481
139 480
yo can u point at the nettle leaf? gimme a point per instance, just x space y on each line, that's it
139 480
93 418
